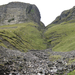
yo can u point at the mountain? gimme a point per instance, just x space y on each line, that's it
20 27
60 34
17 12
67 15
27 47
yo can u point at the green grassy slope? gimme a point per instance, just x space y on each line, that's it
27 36
61 37
71 73
23 36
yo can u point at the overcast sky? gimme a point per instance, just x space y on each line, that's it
49 9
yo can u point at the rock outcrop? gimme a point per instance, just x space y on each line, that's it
17 12
67 15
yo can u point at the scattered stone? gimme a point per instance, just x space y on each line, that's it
34 62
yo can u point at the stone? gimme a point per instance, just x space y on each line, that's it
60 69
20 63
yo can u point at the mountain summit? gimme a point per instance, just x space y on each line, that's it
18 12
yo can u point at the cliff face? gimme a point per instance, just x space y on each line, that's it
17 12
67 15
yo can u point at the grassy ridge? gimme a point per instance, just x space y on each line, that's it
21 36
61 37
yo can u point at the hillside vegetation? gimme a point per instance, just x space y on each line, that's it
61 37
25 36
71 73
27 32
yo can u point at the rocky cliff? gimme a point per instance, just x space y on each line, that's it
17 12
67 15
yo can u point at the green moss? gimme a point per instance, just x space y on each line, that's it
32 10
54 57
71 73
10 20
71 60
1 44
0 41
1 64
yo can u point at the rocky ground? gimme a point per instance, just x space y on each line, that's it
36 62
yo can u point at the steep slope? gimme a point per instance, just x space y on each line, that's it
25 36
61 37
20 27
31 33
18 12
67 15
60 34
